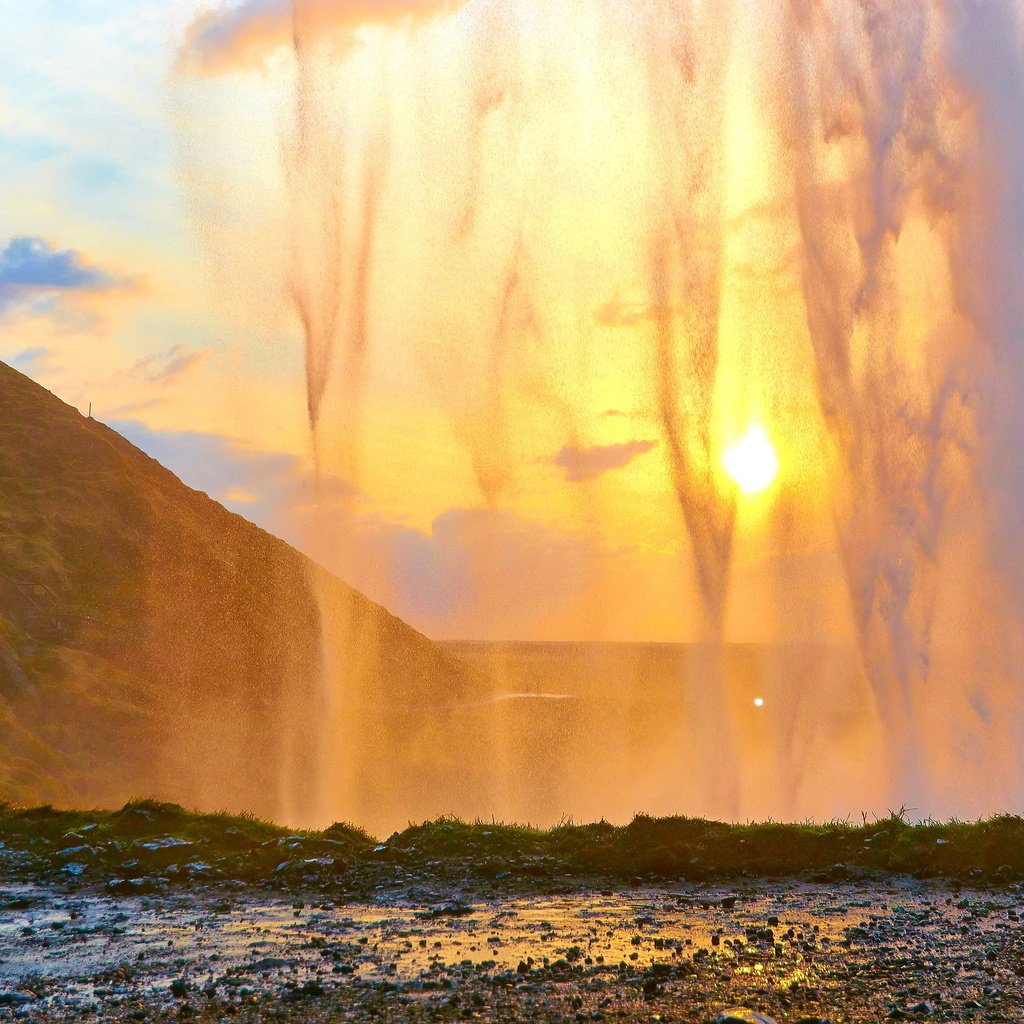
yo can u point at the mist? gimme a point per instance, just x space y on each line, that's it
503 221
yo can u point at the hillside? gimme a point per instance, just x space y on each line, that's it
153 643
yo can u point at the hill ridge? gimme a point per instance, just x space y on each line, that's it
190 665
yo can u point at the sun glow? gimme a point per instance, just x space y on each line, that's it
751 461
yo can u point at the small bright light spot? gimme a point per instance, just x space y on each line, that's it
752 461
759 702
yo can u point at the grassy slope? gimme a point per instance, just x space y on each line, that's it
129 850
190 667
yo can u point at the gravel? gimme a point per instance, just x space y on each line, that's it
786 952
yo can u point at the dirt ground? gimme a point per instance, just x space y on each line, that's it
847 952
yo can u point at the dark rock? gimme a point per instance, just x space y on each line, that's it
651 988
310 990
12 998
447 910
268 963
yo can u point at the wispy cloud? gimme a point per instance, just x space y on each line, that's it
579 463
167 367
229 38
134 408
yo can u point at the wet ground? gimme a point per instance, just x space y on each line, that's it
849 952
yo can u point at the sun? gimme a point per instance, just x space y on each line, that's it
751 461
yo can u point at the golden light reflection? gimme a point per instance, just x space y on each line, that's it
751 461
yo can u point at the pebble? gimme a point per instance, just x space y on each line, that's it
913 951
742 1015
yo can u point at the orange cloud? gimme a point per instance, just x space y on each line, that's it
231 38
579 463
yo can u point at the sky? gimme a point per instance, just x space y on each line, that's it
420 229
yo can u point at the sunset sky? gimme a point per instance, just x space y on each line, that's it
494 459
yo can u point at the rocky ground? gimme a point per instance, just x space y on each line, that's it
154 913
851 951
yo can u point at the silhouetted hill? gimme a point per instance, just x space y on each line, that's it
154 643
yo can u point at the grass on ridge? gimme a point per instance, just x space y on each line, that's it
148 842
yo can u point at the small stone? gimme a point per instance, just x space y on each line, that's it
741 1015
165 843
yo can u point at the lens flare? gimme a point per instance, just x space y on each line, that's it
752 462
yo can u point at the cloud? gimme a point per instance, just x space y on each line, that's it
236 497
616 313
208 462
768 211
32 360
580 463
786 265
259 484
166 367
477 573
30 262
473 573
32 269
133 408
229 38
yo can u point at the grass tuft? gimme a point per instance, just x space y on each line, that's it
152 843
